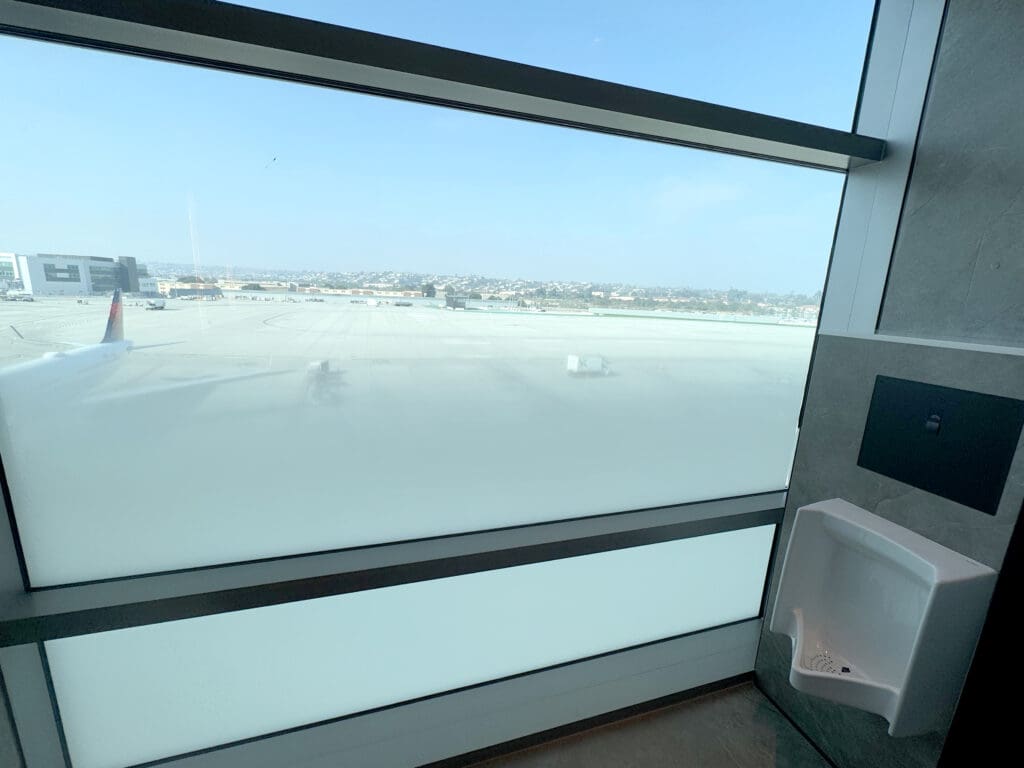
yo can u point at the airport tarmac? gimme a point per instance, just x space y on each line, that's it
426 421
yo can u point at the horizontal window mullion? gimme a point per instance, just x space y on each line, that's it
274 45
74 610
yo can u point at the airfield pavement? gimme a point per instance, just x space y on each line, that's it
429 421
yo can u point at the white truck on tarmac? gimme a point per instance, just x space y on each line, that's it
587 365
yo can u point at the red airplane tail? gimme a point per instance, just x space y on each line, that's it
115 322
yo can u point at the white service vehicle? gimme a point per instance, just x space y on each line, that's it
587 365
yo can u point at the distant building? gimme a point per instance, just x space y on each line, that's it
53 274
8 272
174 290
149 287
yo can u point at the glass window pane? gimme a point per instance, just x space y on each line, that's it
135 695
637 326
792 58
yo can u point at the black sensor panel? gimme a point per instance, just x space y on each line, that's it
951 442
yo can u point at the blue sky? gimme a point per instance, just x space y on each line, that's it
110 155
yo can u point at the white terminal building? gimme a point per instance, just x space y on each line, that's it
52 274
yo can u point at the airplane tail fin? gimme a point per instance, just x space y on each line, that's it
115 322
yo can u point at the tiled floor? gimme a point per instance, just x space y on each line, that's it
734 728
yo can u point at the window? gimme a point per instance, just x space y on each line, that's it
428 322
494 403
266 670
56 273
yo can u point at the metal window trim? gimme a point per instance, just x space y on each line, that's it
241 39
49 614
33 706
13 574
897 77
10 742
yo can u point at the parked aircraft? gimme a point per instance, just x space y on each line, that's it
83 367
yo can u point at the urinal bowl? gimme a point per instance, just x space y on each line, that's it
880 618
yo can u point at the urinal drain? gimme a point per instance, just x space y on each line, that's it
825 662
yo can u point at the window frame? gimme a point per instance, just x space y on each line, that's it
245 40
252 41
32 615
897 74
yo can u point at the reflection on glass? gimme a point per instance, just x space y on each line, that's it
135 695
349 320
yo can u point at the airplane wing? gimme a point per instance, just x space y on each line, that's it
45 343
201 385
136 347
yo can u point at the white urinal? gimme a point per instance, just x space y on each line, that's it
880 617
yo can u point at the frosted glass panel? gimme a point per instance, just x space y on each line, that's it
350 320
141 694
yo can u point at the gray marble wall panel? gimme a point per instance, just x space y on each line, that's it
958 266
826 467
836 411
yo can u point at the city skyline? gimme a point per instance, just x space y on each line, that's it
414 279
165 270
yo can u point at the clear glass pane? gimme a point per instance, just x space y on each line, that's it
637 329
135 695
798 59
